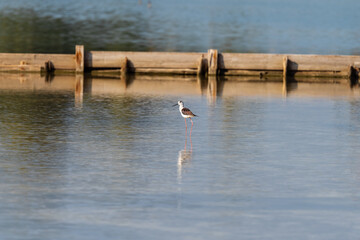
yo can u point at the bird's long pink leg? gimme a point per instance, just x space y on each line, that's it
190 133
185 141
185 123
191 143
191 127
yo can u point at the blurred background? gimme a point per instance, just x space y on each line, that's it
277 26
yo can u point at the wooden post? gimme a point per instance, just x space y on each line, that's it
350 71
49 66
353 74
285 68
201 67
79 58
212 61
124 66
357 69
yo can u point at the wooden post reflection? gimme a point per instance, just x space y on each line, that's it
124 79
79 89
22 78
201 81
284 87
212 89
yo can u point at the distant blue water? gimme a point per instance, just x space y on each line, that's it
279 26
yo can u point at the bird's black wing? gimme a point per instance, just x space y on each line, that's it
187 111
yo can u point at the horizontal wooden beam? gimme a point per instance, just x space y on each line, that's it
108 59
297 62
184 71
59 61
213 62
22 68
279 73
330 74
234 72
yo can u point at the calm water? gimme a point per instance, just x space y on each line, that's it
278 26
116 163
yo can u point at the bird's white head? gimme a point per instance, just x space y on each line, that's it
180 103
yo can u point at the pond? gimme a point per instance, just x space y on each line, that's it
116 161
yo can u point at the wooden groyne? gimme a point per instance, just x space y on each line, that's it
212 63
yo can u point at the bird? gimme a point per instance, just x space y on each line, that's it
185 112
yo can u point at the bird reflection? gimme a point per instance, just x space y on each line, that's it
184 159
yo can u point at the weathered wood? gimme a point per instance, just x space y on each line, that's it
124 66
279 73
308 79
164 71
212 62
60 61
49 66
79 58
201 66
175 72
285 72
249 64
357 69
251 61
22 68
297 62
137 60
285 66
339 74
321 62
259 73
167 78
250 78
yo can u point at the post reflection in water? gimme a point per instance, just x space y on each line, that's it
284 88
79 90
213 87
212 90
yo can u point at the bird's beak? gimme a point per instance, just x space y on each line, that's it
174 105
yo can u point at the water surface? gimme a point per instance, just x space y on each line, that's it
116 163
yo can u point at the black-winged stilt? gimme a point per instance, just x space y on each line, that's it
185 112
